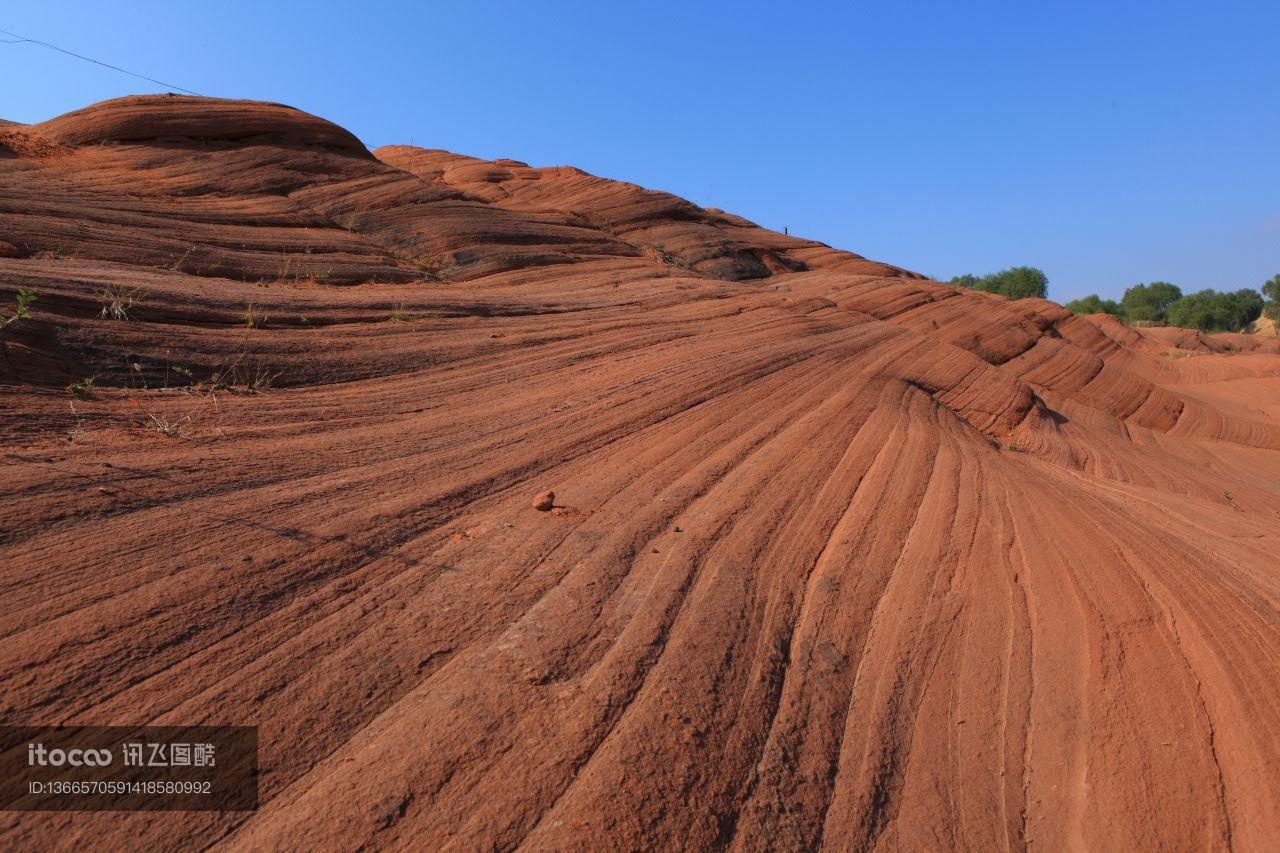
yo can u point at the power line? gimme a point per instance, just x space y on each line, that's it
17 39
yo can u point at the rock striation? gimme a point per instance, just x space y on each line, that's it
854 559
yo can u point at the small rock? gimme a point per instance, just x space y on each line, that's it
545 501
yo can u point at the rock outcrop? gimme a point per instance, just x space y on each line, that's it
856 559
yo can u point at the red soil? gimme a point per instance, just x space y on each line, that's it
840 555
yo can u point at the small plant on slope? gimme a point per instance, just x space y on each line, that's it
255 318
21 308
82 388
119 302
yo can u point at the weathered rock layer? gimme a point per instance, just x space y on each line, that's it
838 555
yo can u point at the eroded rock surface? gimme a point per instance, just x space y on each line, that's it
851 557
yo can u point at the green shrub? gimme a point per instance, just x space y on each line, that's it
21 308
1094 304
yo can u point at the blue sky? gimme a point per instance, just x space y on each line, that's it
1107 143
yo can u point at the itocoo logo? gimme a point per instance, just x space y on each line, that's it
38 755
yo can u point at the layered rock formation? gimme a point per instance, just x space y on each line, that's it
838 556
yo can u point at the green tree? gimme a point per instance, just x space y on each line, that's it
1211 311
1149 302
1248 305
1093 304
1271 289
1015 283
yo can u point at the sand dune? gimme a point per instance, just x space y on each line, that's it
840 555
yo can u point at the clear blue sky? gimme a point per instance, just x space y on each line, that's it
1106 143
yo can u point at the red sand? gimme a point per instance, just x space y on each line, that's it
840 556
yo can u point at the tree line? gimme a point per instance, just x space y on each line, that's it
1162 303
1146 304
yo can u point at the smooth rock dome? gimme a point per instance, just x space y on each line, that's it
143 117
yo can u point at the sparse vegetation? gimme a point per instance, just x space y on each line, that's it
184 410
119 302
176 266
303 272
315 275
77 431
250 376
163 410
660 251
171 426
21 308
425 262
594 220
254 317
403 315
82 388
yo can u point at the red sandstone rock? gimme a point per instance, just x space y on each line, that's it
867 565
545 501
